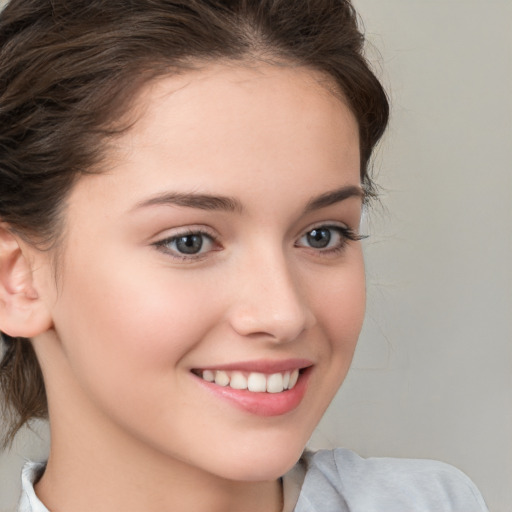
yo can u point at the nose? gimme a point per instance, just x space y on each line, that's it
271 302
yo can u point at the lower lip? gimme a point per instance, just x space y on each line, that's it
262 404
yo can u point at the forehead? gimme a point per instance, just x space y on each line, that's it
228 109
226 76
209 130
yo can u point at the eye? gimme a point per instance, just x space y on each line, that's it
327 238
187 245
319 238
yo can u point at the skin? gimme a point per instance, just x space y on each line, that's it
132 427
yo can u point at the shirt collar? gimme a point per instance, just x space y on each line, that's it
31 473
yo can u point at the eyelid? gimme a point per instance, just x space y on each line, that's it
350 232
186 229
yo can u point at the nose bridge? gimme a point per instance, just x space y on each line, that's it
271 301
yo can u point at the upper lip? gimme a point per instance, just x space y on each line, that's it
267 366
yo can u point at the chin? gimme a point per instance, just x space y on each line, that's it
261 465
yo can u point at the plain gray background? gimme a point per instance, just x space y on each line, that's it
432 375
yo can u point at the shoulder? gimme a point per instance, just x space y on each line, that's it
341 480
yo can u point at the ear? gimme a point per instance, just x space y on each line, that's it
22 312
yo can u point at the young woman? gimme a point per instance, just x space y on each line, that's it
181 278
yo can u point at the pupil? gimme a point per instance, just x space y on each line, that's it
189 244
319 238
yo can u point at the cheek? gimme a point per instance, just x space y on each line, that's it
340 308
116 322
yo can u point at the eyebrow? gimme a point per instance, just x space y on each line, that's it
333 197
231 204
191 200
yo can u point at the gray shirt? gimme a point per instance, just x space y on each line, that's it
341 481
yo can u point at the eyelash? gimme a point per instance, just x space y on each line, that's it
162 245
346 234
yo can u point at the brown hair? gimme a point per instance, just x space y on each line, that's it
69 68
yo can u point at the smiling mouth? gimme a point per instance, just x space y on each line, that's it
254 382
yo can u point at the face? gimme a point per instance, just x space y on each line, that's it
219 245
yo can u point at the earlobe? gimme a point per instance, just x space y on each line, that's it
22 312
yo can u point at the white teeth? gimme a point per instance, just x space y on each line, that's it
254 381
209 376
293 378
257 383
238 381
286 380
275 383
221 378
